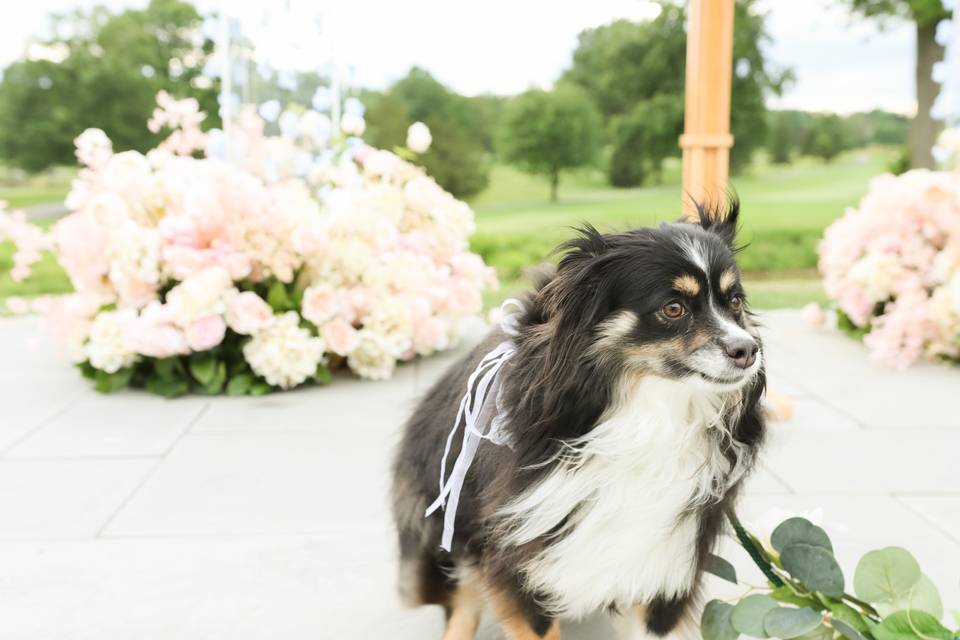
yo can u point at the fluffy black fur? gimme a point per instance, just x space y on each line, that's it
556 393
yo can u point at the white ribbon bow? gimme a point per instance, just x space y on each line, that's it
482 382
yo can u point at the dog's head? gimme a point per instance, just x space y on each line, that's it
666 300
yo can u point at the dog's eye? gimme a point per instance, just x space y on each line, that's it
673 310
736 302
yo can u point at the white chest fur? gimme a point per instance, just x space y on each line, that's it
620 495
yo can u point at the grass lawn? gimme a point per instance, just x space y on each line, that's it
784 212
44 188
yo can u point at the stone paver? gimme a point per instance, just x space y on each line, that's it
129 516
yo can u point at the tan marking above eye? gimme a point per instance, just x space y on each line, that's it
686 284
727 279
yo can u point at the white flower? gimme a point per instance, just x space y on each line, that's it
418 137
283 353
106 347
202 294
876 273
391 320
372 357
134 254
352 124
93 148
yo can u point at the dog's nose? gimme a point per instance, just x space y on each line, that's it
743 351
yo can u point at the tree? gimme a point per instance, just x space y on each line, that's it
925 14
651 125
550 132
623 65
828 137
461 128
106 73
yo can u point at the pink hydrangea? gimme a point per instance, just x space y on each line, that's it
884 262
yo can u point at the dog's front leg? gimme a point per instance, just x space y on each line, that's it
663 618
521 617
463 614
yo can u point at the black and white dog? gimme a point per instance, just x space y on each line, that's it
632 415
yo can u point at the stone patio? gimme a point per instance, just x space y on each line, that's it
128 516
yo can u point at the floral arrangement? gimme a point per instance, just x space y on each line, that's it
191 273
805 595
892 266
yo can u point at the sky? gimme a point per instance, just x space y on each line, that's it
505 46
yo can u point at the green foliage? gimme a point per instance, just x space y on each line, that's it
112 68
454 160
720 568
921 11
790 623
462 128
748 615
793 133
799 530
910 625
643 137
886 574
907 604
715 623
550 132
624 65
828 137
815 567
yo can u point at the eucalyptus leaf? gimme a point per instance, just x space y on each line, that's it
847 630
886 574
784 622
848 614
910 625
715 622
717 566
922 597
815 567
822 632
785 595
799 530
749 613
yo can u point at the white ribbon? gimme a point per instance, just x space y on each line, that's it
483 381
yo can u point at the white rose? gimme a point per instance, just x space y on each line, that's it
283 353
106 346
418 137
372 357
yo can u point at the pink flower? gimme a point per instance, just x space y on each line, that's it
155 340
206 332
814 315
247 313
465 299
430 335
17 305
340 336
320 303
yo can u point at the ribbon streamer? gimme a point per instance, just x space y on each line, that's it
483 382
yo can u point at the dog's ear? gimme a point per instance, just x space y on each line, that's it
578 274
720 218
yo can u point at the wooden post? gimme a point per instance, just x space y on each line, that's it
706 140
